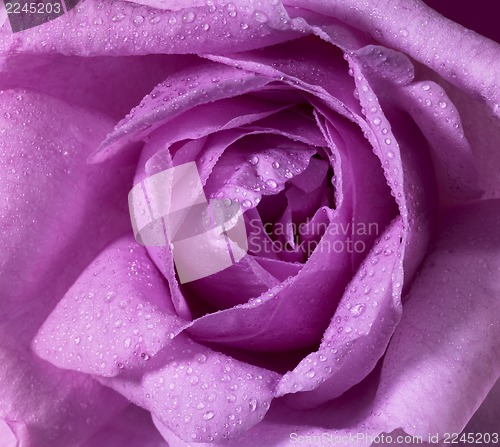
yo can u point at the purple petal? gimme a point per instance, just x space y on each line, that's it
405 26
112 86
318 287
131 428
360 329
58 211
443 359
128 28
176 95
199 394
391 75
117 315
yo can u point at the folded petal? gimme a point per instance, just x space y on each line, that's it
199 394
405 25
184 90
391 74
128 28
359 331
131 428
117 315
112 86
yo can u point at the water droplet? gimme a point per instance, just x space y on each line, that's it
310 374
77 340
271 183
276 165
202 358
244 25
426 87
208 415
188 17
138 20
127 342
247 203
260 16
377 121
252 404
357 310
154 20
253 160
442 104
205 26
118 17
387 141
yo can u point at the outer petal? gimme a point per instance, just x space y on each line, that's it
199 394
48 198
131 428
406 26
445 355
112 86
131 29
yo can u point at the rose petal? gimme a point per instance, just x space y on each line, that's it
284 426
317 288
95 83
291 64
485 419
405 25
391 75
49 199
482 130
132 29
182 91
199 394
443 358
360 329
117 315
131 428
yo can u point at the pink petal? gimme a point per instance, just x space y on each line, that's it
443 359
59 212
131 428
405 26
117 315
128 28
199 394
112 86
176 95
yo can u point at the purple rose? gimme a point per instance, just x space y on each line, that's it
353 145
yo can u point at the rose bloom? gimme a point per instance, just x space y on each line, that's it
360 141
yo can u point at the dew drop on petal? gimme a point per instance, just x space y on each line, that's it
208 415
188 17
271 183
260 16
